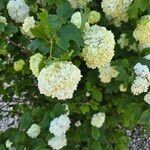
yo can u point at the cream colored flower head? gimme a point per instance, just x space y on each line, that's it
94 17
34 131
35 61
3 20
29 23
142 32
147 98
59 80
17 10
107 73
98 47
116 10
18 65
98 119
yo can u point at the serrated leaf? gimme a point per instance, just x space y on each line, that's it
95 133
145 118
96 94
69 33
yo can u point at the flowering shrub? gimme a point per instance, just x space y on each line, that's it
78 72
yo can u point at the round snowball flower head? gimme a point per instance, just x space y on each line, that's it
18 10
94 17
147 98
141 70
140 85
58 142
107 73
35 61
116 10
98 119
142 32
18 65
122 88
34 131
3 20
60 125
60 80
98 47
29 23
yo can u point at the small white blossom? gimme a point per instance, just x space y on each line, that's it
98 119
18 10
87 94
58 142
147 98
122 88
8 144
78 124
60 125
3 20
34 131
123 41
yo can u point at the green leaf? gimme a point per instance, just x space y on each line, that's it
64 9
69 33
95 133
25 121
96 94
145 118
85 109
97 146
2 27
11 29
131 115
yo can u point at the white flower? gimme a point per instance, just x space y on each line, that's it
60 125
58 143
123 41
3 20
18 65
35 61
78 124
107 73
142 32
122 88
141 70
76 19
94 17
87 94
66 109
140 85
8 144
99 47
34 131
29 23
18 10
60 80
147 98
147 57
98 119
116 10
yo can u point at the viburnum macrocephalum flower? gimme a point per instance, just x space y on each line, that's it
58 142
18 10
116 10
3 20
18 65
34 131
98 119
107 73
123 41
94 17
78 124
29 23
147 98
142 32
98 47
60 80
35 61
60 125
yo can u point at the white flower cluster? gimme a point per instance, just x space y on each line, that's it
94 17
142 32
60 80
3 20
98 119
79 3
116 10
59 126
123 41
35 61
18 65
107 73
142 81
98 47
29 23
34 131
18 10
147 98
